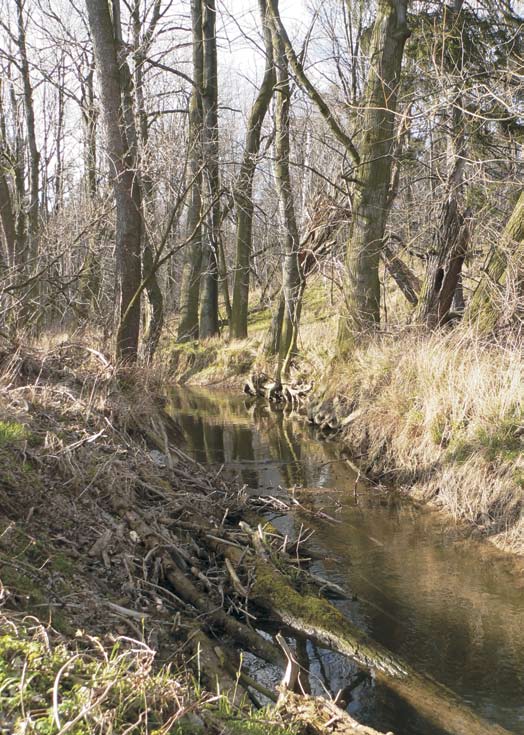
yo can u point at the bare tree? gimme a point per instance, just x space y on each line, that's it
243 191
125 184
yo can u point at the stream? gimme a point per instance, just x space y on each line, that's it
451 606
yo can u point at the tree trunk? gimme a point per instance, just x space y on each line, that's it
125 185
89 118
451 236
209 326
7 217
34 153
142 42
190 288
59 168
486 306
361 308
273 338
243 192
403 276
291 270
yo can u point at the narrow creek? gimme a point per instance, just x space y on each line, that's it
450 606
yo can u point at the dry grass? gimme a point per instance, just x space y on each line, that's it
444 415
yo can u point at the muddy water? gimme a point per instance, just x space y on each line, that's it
450 606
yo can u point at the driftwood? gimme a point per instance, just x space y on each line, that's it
320 621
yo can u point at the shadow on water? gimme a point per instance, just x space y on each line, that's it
451 606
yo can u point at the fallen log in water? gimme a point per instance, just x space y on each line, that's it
325 625
320 621
320 716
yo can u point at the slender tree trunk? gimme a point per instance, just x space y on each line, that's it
90 280
190 288
19 194
273 338
291 270
34 153
142 41
243 192
89 118
59 168
7 217
361 307
209 302
125 184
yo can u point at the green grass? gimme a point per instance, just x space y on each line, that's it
87 687
12 432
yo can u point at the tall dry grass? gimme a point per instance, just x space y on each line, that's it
443 414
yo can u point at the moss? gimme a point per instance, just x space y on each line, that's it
272 587
31 663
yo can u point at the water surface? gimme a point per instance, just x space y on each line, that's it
452 607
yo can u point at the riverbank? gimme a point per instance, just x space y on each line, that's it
442 418
439 416
119 607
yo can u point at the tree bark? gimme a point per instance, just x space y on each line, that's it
7 217
243 192
209 326
142 42
34 153
361 306
188 327
89 119
125 184
403 276
291 269
450 239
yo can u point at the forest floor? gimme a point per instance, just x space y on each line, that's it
439 416
120 608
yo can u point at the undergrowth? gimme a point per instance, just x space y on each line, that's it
88 685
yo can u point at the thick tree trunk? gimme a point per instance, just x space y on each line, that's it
190 288
444 265
450 239
361 308
486 307
291 269
125 184
243 192
209 326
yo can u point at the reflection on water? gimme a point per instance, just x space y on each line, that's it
450 606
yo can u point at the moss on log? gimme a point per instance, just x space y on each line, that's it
323 623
